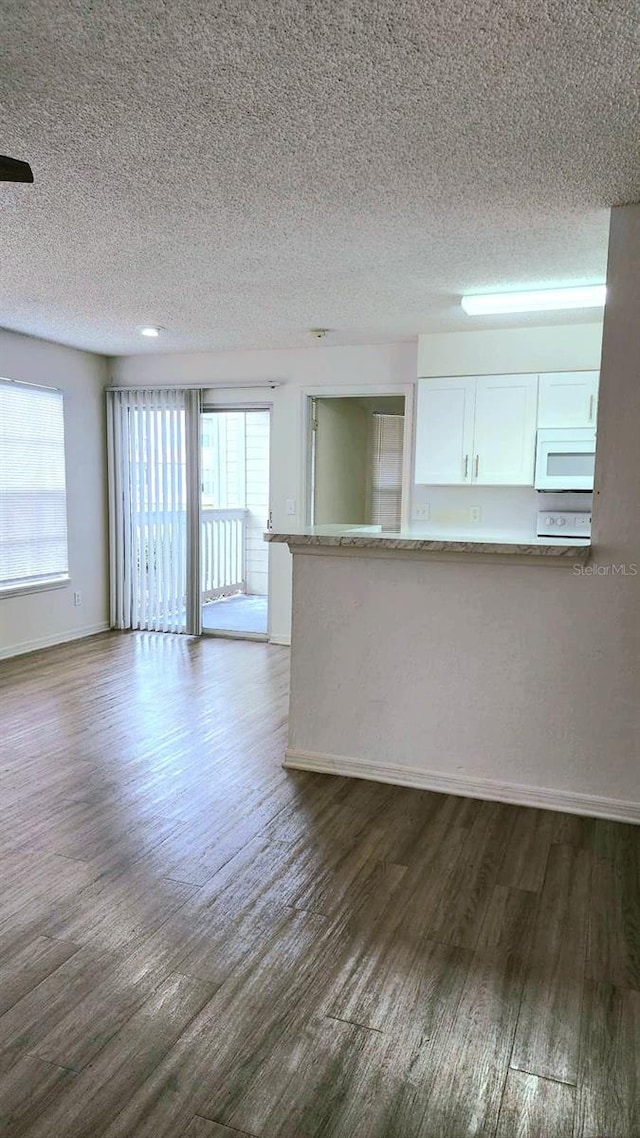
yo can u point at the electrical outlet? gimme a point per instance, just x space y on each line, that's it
474 514
421 513
290 507
77 598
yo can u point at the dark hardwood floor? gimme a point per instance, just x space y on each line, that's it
195 942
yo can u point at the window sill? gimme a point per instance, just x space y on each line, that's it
34 587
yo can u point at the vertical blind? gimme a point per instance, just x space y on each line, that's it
33 504
154 508
386 471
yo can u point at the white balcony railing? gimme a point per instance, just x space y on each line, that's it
222 538
161 554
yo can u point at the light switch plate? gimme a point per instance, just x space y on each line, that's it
290 507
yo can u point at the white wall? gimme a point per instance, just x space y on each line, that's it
383 365
560 347
36 619
342 453
516 674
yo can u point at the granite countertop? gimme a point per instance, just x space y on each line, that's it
502 543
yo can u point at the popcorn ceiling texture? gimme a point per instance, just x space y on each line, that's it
240 171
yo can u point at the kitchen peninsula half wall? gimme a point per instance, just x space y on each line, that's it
455 667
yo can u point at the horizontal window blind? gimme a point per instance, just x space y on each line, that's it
386 471
33 503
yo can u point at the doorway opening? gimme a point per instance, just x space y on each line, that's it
234 511
357 451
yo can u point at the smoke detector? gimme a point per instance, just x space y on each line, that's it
318 333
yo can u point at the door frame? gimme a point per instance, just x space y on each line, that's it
366 390
226 404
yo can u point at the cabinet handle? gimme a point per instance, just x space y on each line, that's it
466 465
477 465
591 402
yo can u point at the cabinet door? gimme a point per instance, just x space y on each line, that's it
505 430
444 430
568 399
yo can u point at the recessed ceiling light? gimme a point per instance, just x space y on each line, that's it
541 300
150 330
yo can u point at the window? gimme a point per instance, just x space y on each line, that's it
33 506
386 471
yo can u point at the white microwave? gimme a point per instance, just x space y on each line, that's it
565 458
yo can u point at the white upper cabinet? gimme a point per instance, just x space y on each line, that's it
478 430
444 430
568 399
505 430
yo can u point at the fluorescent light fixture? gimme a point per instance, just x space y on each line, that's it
150 330
542 300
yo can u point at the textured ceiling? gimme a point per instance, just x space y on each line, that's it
239 171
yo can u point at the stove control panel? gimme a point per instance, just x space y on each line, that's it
564 523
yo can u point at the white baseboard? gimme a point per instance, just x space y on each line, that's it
542 797
51 641
285 641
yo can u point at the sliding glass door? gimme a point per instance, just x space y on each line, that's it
234 510
188 507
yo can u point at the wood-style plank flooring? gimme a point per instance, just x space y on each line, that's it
195 942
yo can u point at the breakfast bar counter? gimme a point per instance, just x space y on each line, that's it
373 541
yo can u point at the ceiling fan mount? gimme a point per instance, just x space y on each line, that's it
13 170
